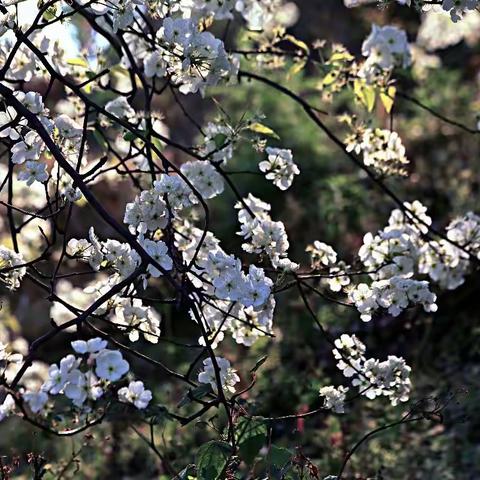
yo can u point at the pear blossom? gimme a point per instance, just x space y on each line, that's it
67 127
154 65
334 398
33 172
110 365
228 375
94 345
136 394
159 252
279 167
36 400
29 148
386 47
7 408
11 268
321 254
204 178
120 108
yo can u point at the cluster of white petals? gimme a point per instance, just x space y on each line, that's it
322 255
11 268
374 378
436 20
381 149
83 378
334 398
135 394
279 167
263 235
165 238
192 59
458 8
223 370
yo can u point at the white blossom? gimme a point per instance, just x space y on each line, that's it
228 375
29 148
136 394
36 400
93 345
33 172
334 398
386 47
279 167
7 408
321 254
110 365
11 268
204 178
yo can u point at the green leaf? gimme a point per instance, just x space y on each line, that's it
212 460
49 14
259 364
195 394
185 473
157 144
252 436
279 456
263 129
129 136
100 140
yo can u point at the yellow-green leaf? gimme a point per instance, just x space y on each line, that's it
297 42
295 69
329 78
365 94
388 97
78 62
340 57
263 129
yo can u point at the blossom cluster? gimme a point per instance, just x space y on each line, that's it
334 398
437 20
110 253
239 302
279 167
458 8
400 262
169 238
83 378
128 314
192 59
228 375
390 257
322 255
11 268
381 149
448 263
263 235
28 147
258 14
374 378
